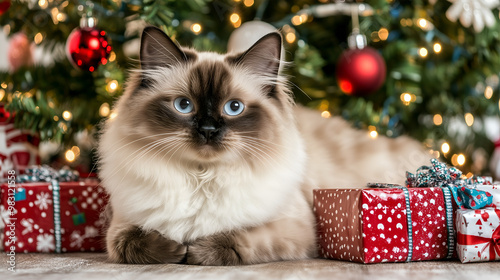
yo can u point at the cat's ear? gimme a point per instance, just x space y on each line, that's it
158 50
263 57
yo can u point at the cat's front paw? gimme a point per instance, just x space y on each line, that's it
219 249
136 246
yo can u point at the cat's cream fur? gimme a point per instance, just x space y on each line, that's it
251 201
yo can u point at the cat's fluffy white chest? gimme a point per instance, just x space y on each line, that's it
184 205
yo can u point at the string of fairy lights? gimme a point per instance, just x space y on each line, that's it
290 35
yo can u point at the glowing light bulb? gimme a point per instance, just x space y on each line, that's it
104 110
196 28
70 155
304 17
234 17
38 38
445 148
461 159
437 48
296 20
488 92
43 4
469 119
61 17
383 34
423 52
112 56
248 3
326 114
290 37
422 23
235 20
112 86
75 150
437 119
406 98
373 131
67 115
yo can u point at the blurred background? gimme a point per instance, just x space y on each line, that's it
425 68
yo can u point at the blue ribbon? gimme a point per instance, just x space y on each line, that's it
438 175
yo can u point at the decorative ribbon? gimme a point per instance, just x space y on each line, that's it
449 222
48 174
409 223
439 176
492 243
57 214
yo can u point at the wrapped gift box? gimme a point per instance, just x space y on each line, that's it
493 189
478 234
42 222
384 224
18 148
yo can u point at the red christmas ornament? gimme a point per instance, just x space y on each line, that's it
4 6
4 114
361 70
87 47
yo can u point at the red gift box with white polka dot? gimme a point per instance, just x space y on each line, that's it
30 218
371 225
478 234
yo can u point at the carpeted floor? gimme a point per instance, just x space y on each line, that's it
91 266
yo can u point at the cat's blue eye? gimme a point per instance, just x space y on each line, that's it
183 105
233 107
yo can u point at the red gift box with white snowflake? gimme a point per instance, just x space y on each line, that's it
37 219
384 224
478 234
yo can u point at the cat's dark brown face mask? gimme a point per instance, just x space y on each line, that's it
204 106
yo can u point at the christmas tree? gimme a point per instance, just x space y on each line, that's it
442 61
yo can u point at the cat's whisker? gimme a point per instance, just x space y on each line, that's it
166 147
261 147
264 146
258 143
263 140
173 142
267 156
257 154
132 142
144 153
244 160
143 138
182 144
139 153
296 86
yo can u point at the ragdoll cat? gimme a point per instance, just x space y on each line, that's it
209 162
